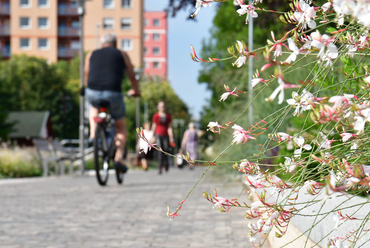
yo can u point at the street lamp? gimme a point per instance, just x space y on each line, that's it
81 12
250 47
138 74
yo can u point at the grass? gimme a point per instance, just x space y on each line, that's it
15 163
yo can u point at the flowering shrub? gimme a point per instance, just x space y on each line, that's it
17 162
329 154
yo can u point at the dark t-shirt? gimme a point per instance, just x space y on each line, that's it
106 70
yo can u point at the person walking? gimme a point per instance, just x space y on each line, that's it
104 71
161 126
143 158
189 142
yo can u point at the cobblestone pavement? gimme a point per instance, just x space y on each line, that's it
76 212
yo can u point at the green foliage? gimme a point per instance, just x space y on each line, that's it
151 93
29 83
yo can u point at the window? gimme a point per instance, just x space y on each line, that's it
156 65
146 37
126 23
156 50
75 45
25 22
108 4
43 3
146 22
108 23
75 24
43 23
156 37
25 43
126 4
145 50
156 22
146 65
126 44
43 44
25 3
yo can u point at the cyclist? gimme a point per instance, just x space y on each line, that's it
104 71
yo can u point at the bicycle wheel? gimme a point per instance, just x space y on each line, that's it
101 156
119 174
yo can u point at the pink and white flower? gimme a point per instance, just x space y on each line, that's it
325 7
145 147
347 136
305 15
278 46
290 164
246 9
295 51
240 135
338 100
284 136
279 90
300 143
326 143
199 4
228 92
242 58
324 41
336 242
214 124
301 103
257 79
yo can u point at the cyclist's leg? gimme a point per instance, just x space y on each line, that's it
118 112
93 112
92 96
120 139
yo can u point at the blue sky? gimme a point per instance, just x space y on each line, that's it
182 71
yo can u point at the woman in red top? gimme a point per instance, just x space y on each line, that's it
163 133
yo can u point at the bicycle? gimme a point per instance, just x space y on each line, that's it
104 145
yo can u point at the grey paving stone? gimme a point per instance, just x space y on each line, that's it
76 212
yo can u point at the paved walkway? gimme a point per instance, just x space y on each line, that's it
76 212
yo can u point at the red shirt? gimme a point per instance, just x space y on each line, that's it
162 125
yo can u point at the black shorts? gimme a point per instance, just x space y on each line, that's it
147 156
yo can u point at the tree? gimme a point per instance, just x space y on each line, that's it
35 85
151 93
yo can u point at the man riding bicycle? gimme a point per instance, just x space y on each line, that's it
104 71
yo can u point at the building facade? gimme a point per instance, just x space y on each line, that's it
50 28
155 44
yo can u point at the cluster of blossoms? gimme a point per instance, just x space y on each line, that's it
328 155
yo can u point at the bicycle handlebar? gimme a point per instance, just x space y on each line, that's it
132 95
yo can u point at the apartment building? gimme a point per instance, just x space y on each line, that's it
155 44
50 28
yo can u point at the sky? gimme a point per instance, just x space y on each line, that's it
182 71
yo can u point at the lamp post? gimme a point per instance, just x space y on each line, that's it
81 13
250 73
138 73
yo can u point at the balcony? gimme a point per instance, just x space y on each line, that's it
68 32
4 30
67 53
67 10
4 9
5 52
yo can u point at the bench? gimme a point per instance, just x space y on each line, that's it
53 151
